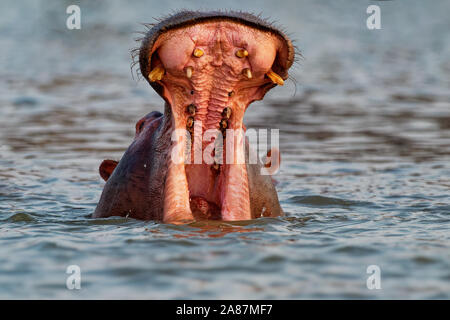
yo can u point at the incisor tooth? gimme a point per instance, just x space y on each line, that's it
241 53
246 72
191 109
223 123
226 113
198 52
189 72
190 122
156 74
275 78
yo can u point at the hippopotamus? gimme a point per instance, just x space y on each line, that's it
208 67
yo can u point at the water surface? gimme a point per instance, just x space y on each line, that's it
364 136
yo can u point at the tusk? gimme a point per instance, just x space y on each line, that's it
275 78
198 53
241 53
189 71
156 74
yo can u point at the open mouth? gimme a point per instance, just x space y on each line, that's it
208 69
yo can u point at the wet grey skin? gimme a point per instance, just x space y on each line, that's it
135 185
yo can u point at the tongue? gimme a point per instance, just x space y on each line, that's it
203 209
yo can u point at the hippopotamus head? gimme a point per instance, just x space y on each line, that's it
208 67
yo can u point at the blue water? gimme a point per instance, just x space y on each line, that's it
364 136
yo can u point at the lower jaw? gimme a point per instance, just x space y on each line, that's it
203 191
218 192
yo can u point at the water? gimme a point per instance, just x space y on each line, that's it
364 135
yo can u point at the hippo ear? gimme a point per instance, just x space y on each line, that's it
106 168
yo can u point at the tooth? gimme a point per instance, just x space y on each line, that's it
275 78
241 53
190 122
226 113
191 109
223 124
189 71
198 52
246 72
156 74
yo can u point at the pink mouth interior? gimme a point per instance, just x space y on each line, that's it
218 79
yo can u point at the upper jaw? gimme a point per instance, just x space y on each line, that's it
214 65
183 19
